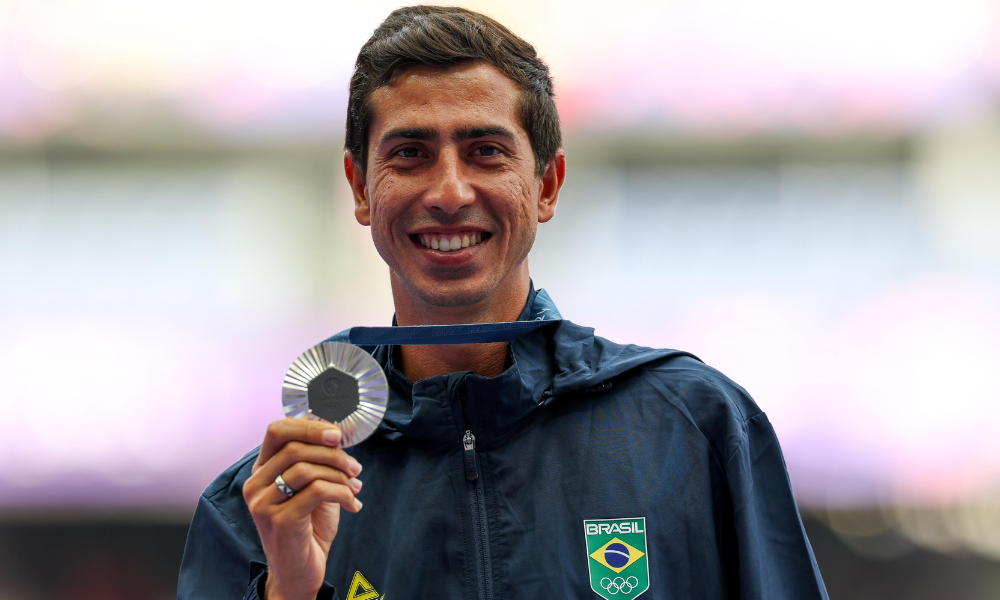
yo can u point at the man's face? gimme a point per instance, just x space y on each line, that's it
451 193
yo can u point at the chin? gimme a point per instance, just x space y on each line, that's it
452 294
454 298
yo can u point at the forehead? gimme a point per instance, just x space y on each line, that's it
470 94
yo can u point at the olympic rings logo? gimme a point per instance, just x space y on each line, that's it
619 584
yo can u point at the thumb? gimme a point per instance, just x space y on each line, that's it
326 520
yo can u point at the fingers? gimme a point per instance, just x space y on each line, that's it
281 432
316 493
314 484
300 475
297 452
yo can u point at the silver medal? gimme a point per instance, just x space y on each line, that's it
340 383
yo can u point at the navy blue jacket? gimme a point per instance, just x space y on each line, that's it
577 428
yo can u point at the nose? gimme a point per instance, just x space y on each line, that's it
450 189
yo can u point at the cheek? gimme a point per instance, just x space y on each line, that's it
524 211
517 208
382 206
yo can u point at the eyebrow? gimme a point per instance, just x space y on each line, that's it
409 133
462 134
472 133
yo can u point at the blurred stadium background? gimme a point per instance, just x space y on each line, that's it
804 194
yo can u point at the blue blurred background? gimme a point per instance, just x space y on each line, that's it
804 194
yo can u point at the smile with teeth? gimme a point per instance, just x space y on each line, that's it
448 242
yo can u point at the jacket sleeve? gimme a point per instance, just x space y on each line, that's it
773 559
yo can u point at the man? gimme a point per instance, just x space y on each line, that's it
559 465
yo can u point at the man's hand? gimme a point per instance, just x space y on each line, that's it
297 532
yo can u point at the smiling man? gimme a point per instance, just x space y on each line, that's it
558 465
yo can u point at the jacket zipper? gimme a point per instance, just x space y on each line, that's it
484 564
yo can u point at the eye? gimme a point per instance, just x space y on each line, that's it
487 151
408 153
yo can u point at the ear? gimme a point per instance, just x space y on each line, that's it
552 180
362 209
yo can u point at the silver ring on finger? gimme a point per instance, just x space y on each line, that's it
284 487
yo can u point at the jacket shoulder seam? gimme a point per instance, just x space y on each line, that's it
229 519
744 420
744 440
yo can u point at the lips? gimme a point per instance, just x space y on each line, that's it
450 241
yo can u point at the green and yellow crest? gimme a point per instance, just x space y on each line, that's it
619 567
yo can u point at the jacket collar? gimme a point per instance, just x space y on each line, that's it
548 363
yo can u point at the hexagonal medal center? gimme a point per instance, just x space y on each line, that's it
333 395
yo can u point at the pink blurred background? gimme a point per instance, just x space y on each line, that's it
805 195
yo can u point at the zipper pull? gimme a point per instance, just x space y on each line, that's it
469 443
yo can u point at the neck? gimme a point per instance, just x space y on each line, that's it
488 360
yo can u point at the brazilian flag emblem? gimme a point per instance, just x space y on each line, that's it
619 569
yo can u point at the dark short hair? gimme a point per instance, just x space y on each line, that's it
443 37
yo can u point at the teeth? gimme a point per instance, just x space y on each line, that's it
449 242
